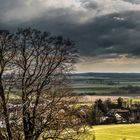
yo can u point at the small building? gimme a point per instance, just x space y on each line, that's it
117 116
135 114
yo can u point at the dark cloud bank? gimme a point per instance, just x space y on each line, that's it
108 36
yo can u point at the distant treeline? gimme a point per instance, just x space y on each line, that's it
128 76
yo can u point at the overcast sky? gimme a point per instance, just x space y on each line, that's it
106 32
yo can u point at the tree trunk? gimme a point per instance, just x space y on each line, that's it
28 126
5 111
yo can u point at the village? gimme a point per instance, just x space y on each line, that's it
118 112
101 112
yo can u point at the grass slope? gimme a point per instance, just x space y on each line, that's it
115 132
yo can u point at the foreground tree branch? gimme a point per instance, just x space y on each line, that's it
39 65
7 53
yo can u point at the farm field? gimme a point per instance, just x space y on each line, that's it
103 89
115 132
94 88
106 83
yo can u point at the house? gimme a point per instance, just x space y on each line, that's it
116 115
135 114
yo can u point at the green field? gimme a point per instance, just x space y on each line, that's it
94 88
104 89
115 132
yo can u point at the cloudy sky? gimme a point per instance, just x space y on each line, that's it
106 32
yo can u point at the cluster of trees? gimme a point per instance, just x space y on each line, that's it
100 109
36 64
120 111
131 89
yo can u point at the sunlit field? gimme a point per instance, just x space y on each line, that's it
114 132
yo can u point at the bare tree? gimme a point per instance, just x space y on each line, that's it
7 53
41 64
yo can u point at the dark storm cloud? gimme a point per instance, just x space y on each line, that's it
106 36
109 35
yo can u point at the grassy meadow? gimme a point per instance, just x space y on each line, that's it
114 132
